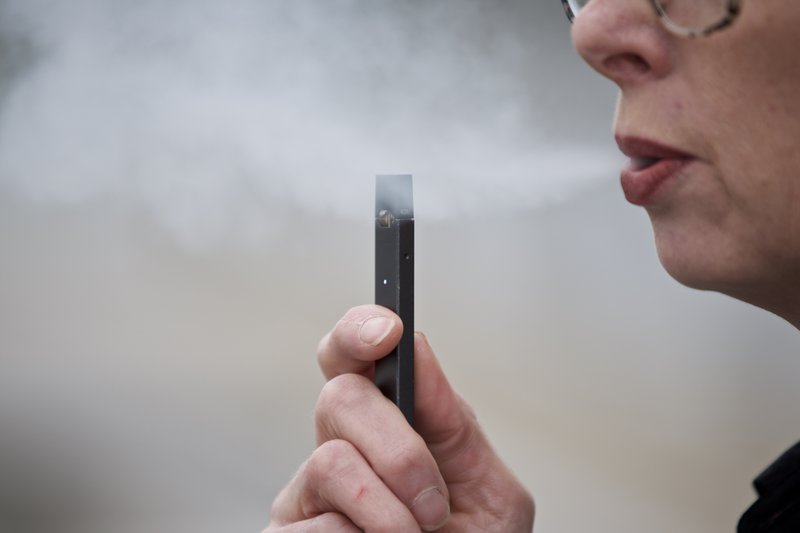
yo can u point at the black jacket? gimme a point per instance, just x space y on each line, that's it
777 509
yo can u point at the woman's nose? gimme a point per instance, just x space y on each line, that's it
623 40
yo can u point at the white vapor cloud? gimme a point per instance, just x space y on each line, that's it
219 116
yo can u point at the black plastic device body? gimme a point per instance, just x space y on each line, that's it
394 284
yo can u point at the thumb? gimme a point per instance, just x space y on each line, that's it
444 420
476 477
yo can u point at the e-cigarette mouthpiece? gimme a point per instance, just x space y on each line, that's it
385 218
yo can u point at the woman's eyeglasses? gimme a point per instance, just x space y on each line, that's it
687 18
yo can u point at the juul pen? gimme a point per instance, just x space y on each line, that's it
394 284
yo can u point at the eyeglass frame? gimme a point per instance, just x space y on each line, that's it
733 11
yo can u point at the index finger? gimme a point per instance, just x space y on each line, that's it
363 335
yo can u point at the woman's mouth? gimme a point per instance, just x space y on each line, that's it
650 166
641 163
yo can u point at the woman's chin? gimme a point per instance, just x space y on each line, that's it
704 260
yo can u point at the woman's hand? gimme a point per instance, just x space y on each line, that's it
373 472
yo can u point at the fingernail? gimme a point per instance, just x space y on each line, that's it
431 509
375 329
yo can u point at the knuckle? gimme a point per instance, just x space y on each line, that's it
334 336
326 468
406 458
331 460
342 392
339 339
352 316
322 346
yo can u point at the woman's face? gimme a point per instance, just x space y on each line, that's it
713 125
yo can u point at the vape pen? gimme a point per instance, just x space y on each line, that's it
394 284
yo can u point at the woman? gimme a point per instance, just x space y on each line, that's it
709 116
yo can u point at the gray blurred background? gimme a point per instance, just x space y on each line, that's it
185 209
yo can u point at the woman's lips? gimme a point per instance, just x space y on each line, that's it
651 165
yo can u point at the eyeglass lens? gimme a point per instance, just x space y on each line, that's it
689 14
694 14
